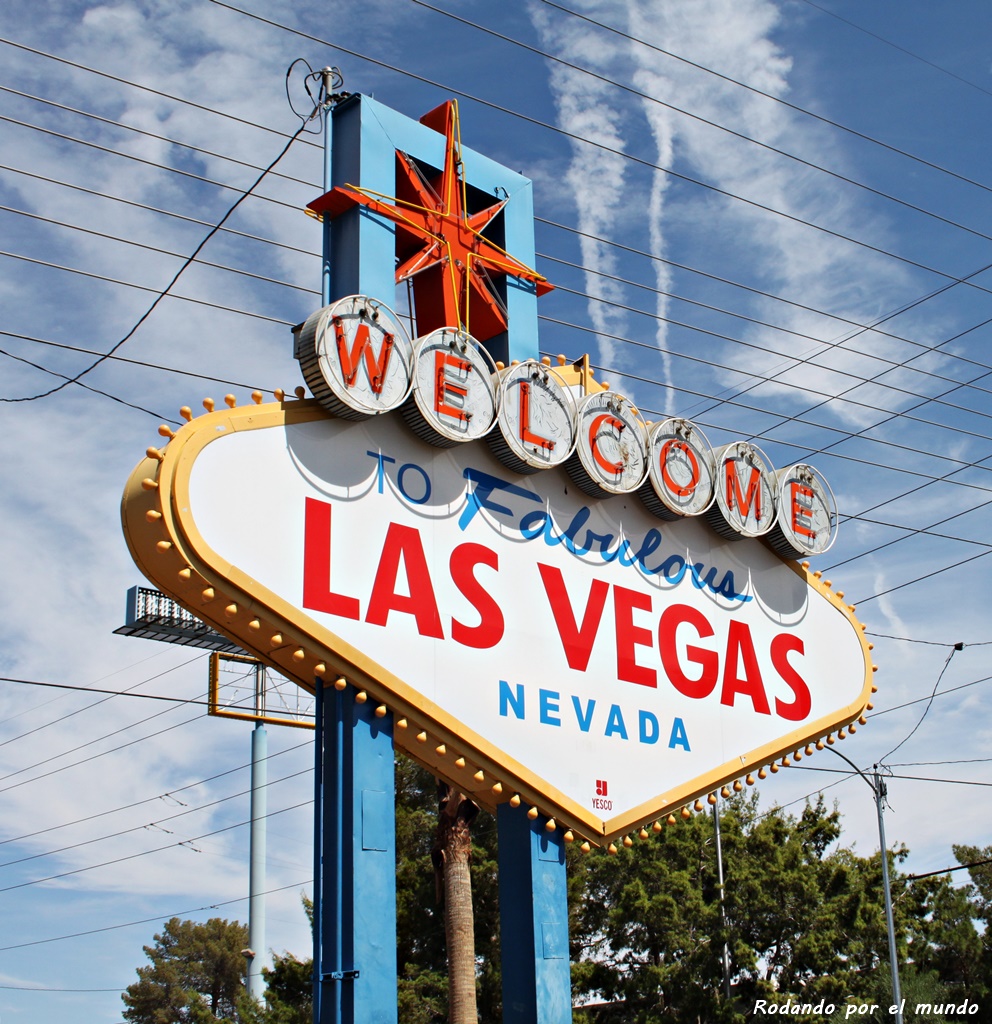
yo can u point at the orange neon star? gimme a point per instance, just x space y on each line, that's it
440 246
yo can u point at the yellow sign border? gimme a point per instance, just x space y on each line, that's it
168 549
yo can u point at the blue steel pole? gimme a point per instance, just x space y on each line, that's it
325 270
318 796
318 847
533 903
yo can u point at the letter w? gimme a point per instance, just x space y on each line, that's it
576 640
361 351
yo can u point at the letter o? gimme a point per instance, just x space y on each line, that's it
427 483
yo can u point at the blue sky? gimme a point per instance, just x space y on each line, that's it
811 275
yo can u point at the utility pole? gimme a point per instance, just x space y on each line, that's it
878 792
723 913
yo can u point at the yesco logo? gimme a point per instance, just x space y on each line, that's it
359 361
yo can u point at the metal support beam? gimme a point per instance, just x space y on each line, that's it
533 902
355 863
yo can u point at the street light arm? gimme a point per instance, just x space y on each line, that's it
868 782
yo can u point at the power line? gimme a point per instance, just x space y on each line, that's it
146 853
110 151
161 293
137 362
95 391
932 643
892 775
918 700
703 120
765 435
187 262
151 824
158 210
168 795
797 361
146 88
220 184
113 693
926 710
826 343
129 692
148 920
859 327
896 46
792 218
157 249
771 96
146 134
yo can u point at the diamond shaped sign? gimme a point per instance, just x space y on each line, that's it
532 643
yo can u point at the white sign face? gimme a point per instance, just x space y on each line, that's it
536 417
357 357
611 454
681 470
453 388
612 664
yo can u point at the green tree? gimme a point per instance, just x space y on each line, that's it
196 975
421 944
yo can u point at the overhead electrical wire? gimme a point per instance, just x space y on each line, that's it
158 210
186 263
640 94
237 271
168 795
166 167
110 151
24 943
157 823
198 150
161 293
282 27
859 327
82 384
896 46
689 269
146 88
827 344
211 378
129 692
537 122
797 361
148 853
689 326
771 96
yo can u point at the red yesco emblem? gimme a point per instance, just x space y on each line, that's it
440 245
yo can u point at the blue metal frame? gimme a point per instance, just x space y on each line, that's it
366 136
533 904
355 863
354 799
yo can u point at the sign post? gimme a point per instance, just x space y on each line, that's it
583 623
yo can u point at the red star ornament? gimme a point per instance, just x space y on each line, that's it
440 246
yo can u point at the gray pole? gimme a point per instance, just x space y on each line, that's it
256 875
879 788
723 915
878 791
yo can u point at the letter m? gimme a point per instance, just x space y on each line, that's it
361 352
743 501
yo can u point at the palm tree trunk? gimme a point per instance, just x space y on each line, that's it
452 866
